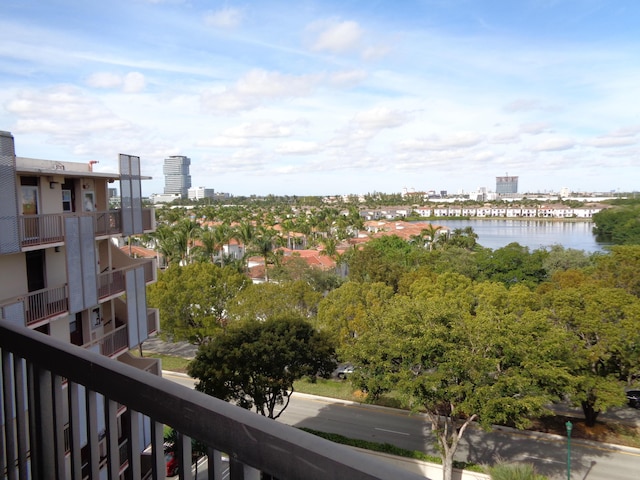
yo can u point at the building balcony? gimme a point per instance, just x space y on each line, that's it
39 372
112 282
38 306
48 229
111 343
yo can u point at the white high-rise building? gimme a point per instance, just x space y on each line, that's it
176 175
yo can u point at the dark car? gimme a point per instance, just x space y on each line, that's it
633 397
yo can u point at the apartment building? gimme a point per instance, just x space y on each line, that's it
63 275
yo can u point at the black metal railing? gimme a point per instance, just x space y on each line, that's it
44 378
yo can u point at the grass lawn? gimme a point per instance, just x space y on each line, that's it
169 362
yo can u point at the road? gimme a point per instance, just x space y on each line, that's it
547 452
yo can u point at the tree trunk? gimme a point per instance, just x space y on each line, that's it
590 414
447 464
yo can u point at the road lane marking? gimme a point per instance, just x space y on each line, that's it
392 431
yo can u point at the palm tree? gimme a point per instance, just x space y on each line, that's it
209 243
430 234
185 234
264 244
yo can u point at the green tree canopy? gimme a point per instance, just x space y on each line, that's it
192 299
501 362
254 363
605 340
264 300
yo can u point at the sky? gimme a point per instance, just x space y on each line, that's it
328 97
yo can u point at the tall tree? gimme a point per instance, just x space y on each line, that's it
254 363
460 362
605 340
193 300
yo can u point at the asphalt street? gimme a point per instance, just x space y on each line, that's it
589 460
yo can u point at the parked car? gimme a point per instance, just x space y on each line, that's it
633 397
171 462
344 370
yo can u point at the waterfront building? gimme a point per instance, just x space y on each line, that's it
63 276
176 175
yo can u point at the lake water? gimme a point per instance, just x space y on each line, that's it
534 234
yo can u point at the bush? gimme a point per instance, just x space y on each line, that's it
514 471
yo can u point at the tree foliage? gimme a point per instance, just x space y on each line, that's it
192 299
464 351
254 364
619 225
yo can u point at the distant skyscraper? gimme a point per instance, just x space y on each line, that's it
176 175
505 185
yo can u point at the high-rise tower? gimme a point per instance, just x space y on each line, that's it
176 175
506 185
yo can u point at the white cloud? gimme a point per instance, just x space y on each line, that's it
375 53
522 105
225 18
104 80
256 87
535 128
258 130
450 142
611 141
337 37
553 145
132 82
505 138
347 78
298 147
379 118
224 142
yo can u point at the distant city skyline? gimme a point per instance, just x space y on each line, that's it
329 97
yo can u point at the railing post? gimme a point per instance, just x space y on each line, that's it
183 455
9 414
113 449
74 430
158 465
44 425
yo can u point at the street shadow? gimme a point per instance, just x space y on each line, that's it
548 453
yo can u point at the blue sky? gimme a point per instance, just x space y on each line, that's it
331 97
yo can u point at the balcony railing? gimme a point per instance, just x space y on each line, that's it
37 306
41 229
107 223
152 321
32 442
112 342
112 282
49 228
